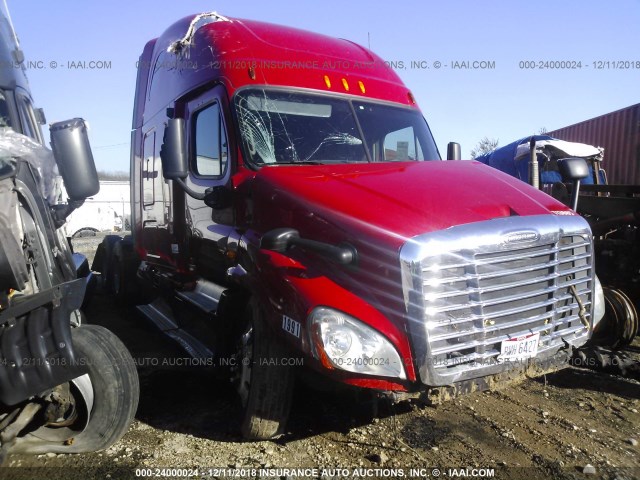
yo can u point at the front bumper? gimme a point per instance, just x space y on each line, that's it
534 368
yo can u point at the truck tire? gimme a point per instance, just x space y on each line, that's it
265 382
116 392
620 324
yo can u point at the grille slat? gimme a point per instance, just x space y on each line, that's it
495 288
474 318
498 274
494 328
516 256
488 276
459 347
496 301
521 283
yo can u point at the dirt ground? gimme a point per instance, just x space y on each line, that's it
575 423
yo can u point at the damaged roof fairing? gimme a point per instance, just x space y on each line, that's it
198 21
199 50
560 149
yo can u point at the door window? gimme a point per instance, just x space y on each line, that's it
210 145
30 126
5 116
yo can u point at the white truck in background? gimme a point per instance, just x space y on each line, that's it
107 211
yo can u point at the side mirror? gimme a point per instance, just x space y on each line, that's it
173 152
453 151
573 169
281 239
71 149
40 116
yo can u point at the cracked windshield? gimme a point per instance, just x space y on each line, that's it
285 128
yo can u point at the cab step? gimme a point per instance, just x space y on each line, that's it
205 297
159 313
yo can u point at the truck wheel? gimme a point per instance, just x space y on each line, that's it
264 381
85 232
104 416
619 326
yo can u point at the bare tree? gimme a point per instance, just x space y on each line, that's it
485 145
543 131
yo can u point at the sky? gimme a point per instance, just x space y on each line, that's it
513 92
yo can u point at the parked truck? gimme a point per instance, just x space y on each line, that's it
289 203
613 212
65 386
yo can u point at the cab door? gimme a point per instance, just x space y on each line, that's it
157 239
210 165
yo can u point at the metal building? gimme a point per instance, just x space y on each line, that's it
619 134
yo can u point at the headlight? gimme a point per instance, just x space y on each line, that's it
349 344
598 304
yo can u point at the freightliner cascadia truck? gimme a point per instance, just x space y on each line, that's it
289 205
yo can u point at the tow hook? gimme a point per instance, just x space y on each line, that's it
582 313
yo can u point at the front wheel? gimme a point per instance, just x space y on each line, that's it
264 379
106 401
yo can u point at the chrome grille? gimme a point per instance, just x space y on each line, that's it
468 288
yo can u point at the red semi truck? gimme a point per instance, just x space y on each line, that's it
289 202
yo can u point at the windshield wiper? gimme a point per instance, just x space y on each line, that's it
298 162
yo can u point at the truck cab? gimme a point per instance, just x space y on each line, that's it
16 105
65 387
287 186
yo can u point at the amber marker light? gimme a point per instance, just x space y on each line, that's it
327 81
361 85
345 84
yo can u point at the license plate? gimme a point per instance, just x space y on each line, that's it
519 348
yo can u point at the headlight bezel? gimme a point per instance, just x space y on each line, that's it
369 352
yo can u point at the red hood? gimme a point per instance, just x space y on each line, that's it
393 200
376 207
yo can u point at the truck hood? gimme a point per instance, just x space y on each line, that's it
395 201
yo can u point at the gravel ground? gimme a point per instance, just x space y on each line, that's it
575 423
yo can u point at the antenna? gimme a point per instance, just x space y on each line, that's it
368 39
